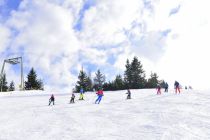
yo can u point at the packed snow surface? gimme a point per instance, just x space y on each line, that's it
147 116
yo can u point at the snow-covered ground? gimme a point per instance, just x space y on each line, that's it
147 116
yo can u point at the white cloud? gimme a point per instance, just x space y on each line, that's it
104 24
187 54
45 35
151 45
4 38
121 24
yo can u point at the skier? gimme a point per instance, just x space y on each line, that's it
129 94
72 98
100 95
176 86
81 97
158 89
166 87
52 99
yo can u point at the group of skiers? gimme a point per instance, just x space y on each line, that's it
100 93
81 97
176 87
159 88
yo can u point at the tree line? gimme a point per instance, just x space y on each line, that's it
32 83
134 78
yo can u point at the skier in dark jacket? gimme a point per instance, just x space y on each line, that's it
166 87
52 100
176 86
72 98
129 94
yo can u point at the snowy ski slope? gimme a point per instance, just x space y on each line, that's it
147 116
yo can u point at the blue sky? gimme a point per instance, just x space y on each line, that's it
57 38
86 6
7 6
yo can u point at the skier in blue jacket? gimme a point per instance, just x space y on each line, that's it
81 97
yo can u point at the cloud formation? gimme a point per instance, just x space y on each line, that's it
187 46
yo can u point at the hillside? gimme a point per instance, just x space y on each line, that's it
26 115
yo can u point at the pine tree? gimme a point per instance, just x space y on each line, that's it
108 86
40 84
128 74
3 83
134 75
118 83
82 82
138 74
152 81
89 83
11 86
32 83
99 79
162 83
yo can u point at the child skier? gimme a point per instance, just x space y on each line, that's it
81 97
52 99
158 89
100 95
176 85
72 98
129 94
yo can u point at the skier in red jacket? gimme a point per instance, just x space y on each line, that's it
100 95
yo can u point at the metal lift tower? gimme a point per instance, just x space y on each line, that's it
13 61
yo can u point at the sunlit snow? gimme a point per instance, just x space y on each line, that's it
147 116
